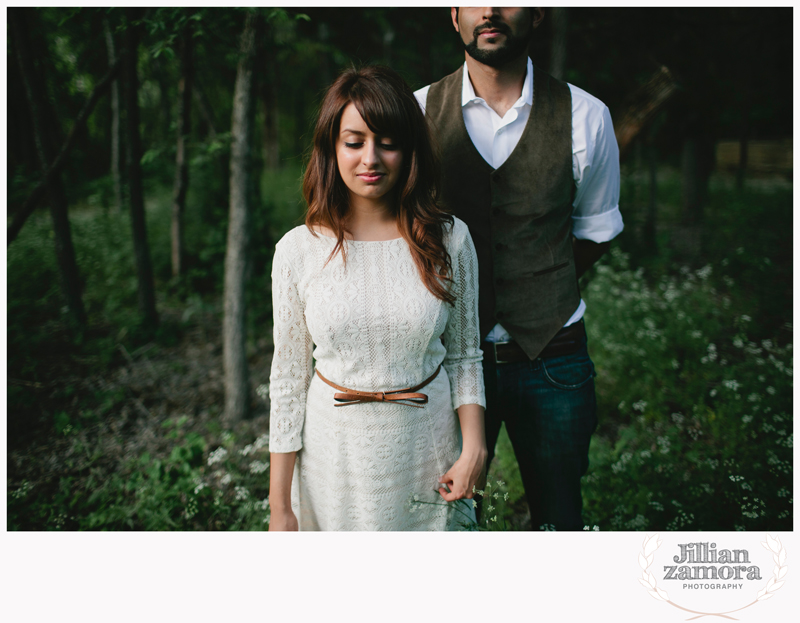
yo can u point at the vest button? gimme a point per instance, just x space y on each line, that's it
500 315
499 246
499 281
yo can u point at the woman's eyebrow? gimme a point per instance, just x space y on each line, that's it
353 132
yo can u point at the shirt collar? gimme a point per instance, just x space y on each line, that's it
468 91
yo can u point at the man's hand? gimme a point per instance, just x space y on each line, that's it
587 253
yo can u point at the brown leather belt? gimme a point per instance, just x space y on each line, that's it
567 341
406 396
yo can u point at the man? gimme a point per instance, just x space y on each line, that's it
532 166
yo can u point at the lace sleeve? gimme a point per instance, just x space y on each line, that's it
292 364
462 335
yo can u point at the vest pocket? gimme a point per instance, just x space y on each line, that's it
551 269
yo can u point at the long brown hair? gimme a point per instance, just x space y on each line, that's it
388 107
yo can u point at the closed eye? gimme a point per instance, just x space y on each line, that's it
386 146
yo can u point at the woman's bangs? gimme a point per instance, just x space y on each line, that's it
384 116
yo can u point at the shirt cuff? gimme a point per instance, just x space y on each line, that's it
599 227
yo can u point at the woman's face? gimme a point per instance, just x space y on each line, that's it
369 164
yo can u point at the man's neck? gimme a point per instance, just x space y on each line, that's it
500 87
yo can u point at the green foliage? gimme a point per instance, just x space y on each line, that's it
188 490
698 431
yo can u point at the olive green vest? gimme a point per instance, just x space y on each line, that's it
519 214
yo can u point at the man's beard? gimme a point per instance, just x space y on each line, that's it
514 47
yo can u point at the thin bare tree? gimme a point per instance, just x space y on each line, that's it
183 125
144 267
237 383
559 18
116 143
643 106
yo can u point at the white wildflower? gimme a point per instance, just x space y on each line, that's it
258 467
705 272
241 493
640 406
217 455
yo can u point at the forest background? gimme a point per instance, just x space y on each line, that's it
154 158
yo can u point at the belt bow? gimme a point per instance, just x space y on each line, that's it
406 396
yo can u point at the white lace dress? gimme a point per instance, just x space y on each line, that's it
371 325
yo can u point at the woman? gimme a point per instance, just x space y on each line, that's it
363 431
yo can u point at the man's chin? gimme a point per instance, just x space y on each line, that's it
497 55
494 55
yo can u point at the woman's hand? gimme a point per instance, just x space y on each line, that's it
283 521
467 472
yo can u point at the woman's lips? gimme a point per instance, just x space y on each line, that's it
370 177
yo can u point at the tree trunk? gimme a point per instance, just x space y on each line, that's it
650 218
558 44
165 116
116 172
697 160
388 40
181 165
204 108
269 104
643 105
144 269
237 385
41 111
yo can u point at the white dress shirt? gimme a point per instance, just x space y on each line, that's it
595 159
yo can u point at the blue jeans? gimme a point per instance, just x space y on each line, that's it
550 412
